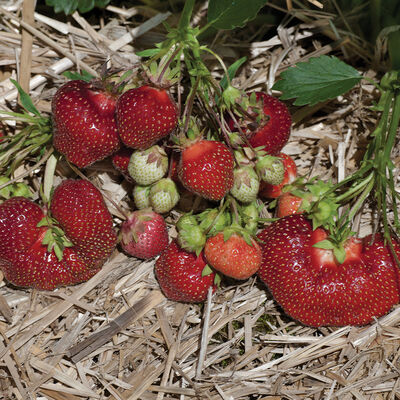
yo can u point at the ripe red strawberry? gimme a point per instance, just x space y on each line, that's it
269 191
144 234
314 288
288 204
274 130
26 261
233 257
84 125
82 213
144 116
206 168
179 274
120 161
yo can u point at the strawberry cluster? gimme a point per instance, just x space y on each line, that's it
224 149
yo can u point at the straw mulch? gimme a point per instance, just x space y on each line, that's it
116 336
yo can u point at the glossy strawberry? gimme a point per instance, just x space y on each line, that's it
233 257
206 168
274 129
84 124
144 116
179 274
79 208
144 234
81 214
273 191
314 288
288 204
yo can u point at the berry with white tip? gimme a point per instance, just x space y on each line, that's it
148 166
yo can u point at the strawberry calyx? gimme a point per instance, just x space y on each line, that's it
326 251
191 236
53 236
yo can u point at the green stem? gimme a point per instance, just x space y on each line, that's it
394 124
219 59
186 15
361 199
352 192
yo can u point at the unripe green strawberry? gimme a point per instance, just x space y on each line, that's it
186 221
163 195
245 184
212 221
141 196
250 213
148 166
190 236
270 169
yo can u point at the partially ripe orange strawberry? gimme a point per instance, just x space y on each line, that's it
234 257
288 204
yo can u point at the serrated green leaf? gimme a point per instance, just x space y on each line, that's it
26 101
83 76
320 79
229 14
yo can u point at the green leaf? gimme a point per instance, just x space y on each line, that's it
58 251
232 72
206 271
66 6
324 244
43 222
148 53
85 5
48 237
320 79
83 76
340 254
26 101
229 14
184 20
